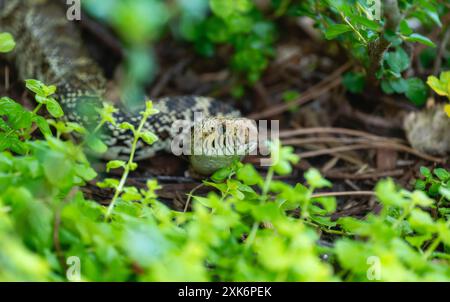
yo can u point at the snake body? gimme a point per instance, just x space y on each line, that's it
50 49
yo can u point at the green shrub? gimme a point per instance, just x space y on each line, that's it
251 228
376 33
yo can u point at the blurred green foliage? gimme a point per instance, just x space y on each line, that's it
250 228
250 32
205 23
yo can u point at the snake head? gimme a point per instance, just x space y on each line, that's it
218 142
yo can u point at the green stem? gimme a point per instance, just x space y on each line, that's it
267 183
431 248
99 126
252 235
36 110
127 168
329 231
403 216
360 37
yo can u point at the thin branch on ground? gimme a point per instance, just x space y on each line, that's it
332 81
331 130
371 145
370 175
338 194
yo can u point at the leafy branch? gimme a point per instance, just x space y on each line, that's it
130 165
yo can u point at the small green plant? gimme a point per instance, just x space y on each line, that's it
16 127
240 24
441 86
376 34
403 237
437 185
131 194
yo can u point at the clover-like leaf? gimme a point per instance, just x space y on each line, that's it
7 42
54 108
115 164
149 137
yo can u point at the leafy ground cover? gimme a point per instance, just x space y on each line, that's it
376 215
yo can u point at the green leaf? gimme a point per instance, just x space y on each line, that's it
421 221
17 146
445 192
33 218
416 91
6 42
222 8
127 126
96 145
399 85
216 30
438 86
42 125
115 164
342 6
107 113
386 87
149 137
425 171
421 199
434 16
354 82
388 194
225 9
398 61
58 169
369 24
352 255
430 10
18 117
447 110
420 39
54 108
221 174
316 180
85 172
442 174
70 127
248 175
420 185
328 203
336 30
283 167
131 194
108 183
35 86
418 241
149 109
405 29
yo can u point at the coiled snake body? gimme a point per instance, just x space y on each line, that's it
49 48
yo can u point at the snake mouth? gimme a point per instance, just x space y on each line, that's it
218 142
220 136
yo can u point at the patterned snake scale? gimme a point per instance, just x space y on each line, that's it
49 48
